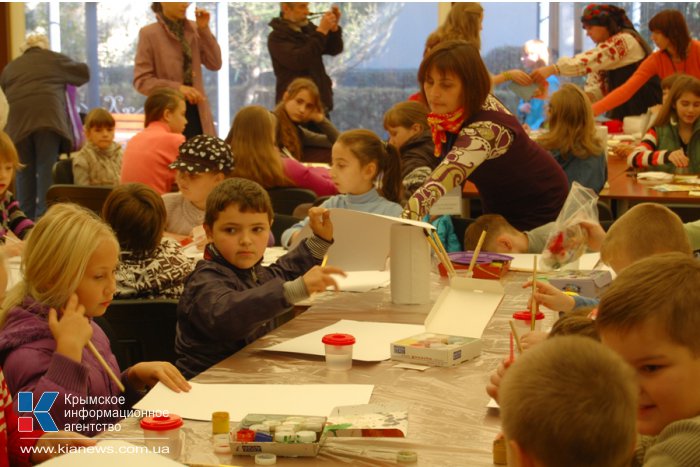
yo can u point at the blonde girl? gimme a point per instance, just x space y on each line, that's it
301 121
252 140
361 162
673 143
572 138
149 152
13 222
407 125
47 320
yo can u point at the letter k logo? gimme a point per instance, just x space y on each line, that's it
25 403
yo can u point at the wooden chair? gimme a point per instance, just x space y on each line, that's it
286 199
141 330
91 197
62 172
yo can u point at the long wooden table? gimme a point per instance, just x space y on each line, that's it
623 190
449 424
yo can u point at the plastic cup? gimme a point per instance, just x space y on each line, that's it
338 351
162 435
523 319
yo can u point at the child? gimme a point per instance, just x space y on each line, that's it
151 266
673 142
569 402
407 125
646 229
99 162
203 162
301 121
13 219
252 138
501 237
149 153
230 299
649 316
68 267
535 54
572 138
14 446
359 158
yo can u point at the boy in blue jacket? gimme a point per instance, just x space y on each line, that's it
230 298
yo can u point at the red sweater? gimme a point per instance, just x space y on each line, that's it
659 63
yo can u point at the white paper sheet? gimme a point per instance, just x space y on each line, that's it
111 453
241 399
588 261
361 239
372 340
361 281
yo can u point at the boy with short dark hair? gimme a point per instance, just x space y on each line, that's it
571 402
649 316
99 161
230 298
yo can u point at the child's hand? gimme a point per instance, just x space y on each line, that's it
525 108
53 444
320 223
551 297
13 247
532 338
147 374
317 279
595 234
622 151
73 331
496 378
317 116
678 158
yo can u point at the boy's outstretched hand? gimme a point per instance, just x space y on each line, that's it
318 278
320 223
551 297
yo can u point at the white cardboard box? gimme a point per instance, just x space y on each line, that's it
460 314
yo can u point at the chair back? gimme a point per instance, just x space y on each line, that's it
142 330
281 223
285 199
62 172
91 197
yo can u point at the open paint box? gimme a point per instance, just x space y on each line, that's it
488 265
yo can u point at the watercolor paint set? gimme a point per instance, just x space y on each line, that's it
282 435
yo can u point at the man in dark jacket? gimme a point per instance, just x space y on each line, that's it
297 46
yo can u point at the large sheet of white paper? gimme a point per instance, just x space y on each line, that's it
111 453
361 281
361 239
465 307
372 340
241 399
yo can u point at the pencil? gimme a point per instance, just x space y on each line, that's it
438 242
477 250
511 347
325 260
533 305
106 367
515 335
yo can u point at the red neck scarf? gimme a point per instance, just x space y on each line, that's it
440 124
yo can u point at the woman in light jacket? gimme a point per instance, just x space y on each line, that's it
171 53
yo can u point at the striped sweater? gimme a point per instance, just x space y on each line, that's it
13 218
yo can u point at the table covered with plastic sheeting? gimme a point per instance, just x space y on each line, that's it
449 423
